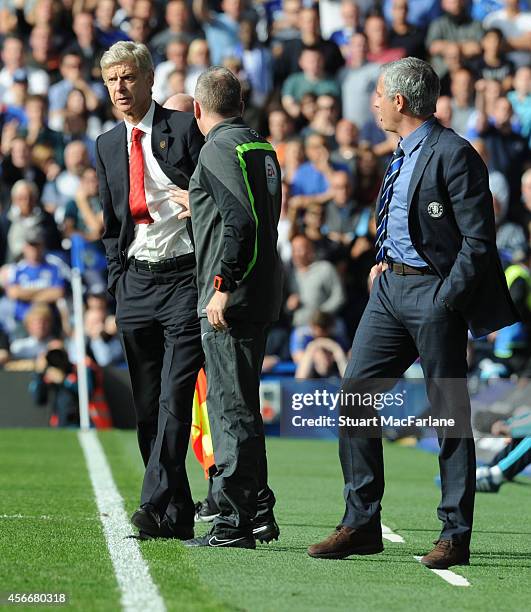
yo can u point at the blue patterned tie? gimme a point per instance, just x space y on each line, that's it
385 200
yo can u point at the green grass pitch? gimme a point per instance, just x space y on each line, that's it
51 539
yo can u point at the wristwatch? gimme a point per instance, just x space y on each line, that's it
220 284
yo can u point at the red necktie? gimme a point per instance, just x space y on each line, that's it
137 193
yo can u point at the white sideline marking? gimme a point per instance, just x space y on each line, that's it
138 591
388 534
449 576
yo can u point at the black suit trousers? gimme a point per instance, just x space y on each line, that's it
160 331
233 365
405 319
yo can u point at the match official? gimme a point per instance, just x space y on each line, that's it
235 196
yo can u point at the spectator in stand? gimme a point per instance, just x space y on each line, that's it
311 79
420 12
198 61
139 30
308 109
17 165
462 89
13 60
84 214
347 143
101 345
176 54
508 151
403 34
285 24
280 130
369 176
38 324
510 237
358 82
493 64
26 216
378 48
17 95
106 33
310 184
318 350
86 45
59 192
345 220
350 25
443 111
37 130
310 36
454 25
221 29
311 224
148 12
71 71
516 27
382 143
78 123
177 21
257 62
293 159
44 54
312 285
520 100
33 279
453 61
325 120
488 91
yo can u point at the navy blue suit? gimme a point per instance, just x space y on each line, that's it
451 225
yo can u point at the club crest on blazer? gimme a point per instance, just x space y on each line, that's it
435 210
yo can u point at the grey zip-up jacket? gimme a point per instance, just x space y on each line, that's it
235 197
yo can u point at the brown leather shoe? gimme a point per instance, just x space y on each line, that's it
346 541
445 554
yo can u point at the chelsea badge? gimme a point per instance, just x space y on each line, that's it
435 210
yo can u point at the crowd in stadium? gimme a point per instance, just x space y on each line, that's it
310 92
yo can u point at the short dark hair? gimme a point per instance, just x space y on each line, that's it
219 91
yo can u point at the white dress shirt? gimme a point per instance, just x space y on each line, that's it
167 236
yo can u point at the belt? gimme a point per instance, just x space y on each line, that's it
403 269
173 263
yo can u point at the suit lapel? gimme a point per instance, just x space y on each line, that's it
422 161
122 165
161 138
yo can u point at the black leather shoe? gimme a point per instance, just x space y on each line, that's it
211 540
266 530
149 525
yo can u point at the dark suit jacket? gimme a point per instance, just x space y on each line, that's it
451 224
175 141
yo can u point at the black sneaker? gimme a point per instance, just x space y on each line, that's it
266 530
213 541
204 512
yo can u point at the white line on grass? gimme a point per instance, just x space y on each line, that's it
449 576
389 534
138 591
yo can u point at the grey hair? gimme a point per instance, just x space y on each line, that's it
414 79
29 184
127 51
219 91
